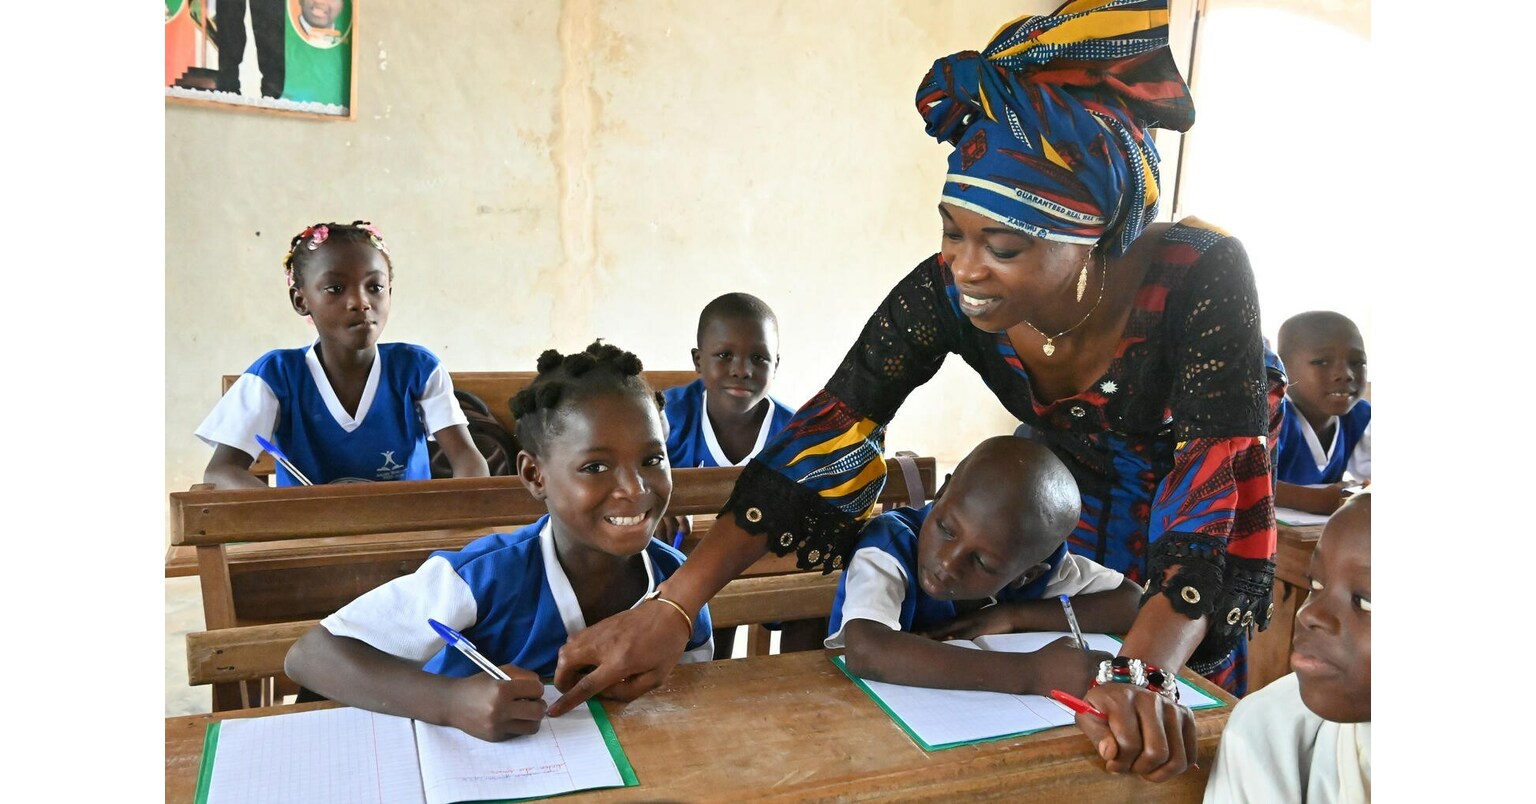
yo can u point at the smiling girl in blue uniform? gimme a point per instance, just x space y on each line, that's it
345 408
593 451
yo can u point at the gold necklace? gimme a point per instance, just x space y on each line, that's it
1050 348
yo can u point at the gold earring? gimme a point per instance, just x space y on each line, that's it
1082 278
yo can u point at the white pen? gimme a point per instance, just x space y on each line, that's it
1077 633
467 648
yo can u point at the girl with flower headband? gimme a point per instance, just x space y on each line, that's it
1130 348
345 408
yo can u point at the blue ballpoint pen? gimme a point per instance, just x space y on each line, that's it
467 648
278 456
1077 633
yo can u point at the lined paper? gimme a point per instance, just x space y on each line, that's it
1189 695
567 754
353 756
1295 518
340 756
938 718
942 718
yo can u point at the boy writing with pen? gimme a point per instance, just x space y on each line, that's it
987 556
594 452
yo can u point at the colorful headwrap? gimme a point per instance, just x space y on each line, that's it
1050 122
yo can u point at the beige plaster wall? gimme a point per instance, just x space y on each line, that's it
551 172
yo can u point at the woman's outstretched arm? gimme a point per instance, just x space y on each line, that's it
807 492
631 653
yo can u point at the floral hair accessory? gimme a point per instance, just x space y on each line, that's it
375 237
315 235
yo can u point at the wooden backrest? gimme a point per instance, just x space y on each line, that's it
390 526
498 387
208 517
310 549
213 517
256 652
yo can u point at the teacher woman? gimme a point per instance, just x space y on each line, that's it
1131 349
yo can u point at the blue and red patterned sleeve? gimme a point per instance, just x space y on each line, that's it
814 483
1212 528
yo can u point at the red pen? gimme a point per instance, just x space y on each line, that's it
1077 704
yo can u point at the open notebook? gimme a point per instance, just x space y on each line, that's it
1294 518
936 718
347 755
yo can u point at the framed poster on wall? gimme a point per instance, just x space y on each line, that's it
285 56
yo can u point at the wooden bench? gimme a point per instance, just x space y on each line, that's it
255 653
309 550
496 388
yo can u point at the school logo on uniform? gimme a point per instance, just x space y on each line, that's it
391 469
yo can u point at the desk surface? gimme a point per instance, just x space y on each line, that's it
792 726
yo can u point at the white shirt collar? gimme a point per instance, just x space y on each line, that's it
714 444
560 585
1319 455
327 393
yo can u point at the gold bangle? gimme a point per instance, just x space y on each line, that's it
656 595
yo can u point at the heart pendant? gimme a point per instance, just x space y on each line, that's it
1049 348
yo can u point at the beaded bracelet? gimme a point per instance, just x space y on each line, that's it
1125 670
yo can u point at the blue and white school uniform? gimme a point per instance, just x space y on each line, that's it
1300 458
285 397
691 440
506 592
880 582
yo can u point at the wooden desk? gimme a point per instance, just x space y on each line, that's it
1269 653
791 726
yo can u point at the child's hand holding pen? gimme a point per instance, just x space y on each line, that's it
1062 665
499 703
492 709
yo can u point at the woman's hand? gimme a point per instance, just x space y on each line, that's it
494 710
622 657
1146 734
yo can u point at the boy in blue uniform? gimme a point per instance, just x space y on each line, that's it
724 417
593 452
1326 431
987 556
346 408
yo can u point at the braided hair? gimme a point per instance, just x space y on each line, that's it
565 381
302 247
